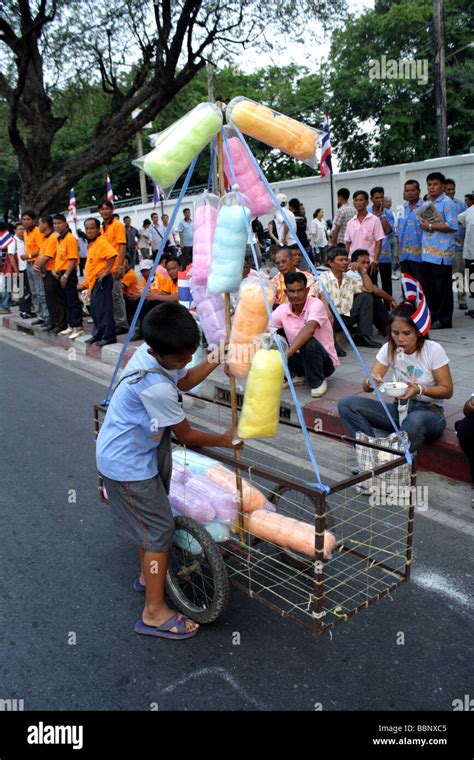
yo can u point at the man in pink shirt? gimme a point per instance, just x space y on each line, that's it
311 355
365 231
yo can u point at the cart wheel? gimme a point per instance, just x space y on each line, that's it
297 505
197 578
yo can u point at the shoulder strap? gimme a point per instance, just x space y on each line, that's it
141 373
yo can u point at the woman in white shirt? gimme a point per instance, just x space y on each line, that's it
416 360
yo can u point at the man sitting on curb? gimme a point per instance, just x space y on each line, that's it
311 354
353 300
381 309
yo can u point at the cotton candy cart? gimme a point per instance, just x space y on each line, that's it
372 557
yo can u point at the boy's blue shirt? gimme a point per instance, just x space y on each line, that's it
137 412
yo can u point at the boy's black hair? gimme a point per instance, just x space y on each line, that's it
30 213
344 193
436 175
361 192
170 329
358 252
107 203
412 182
336 250
293 277
377 189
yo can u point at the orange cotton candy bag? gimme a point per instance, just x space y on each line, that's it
250 322
288 532
274 129
251 496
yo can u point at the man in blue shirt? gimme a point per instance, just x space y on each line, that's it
458 264
437 253
387 218
134 456
186 230
409 231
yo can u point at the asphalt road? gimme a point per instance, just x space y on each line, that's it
66 577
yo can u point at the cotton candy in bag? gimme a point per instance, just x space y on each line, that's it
250 322
205 218
230 241
211 312
177 146
246 175
274 129
261 408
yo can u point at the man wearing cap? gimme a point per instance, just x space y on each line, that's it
285 238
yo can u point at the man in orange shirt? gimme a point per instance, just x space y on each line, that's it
115 233
101 257
43 267
65 271
33 239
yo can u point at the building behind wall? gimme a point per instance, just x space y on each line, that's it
314 192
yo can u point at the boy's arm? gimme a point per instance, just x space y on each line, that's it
199 373
190 437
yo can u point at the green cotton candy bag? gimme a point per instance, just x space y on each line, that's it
177 146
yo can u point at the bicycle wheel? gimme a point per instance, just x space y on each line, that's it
197 578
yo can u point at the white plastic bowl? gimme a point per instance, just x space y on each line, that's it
395 390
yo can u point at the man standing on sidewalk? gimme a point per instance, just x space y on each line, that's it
65 271
33 239
458 263
438 253
101 257
186 231
365 231
409 232
43 267
132 238
344 213
387 219
114 232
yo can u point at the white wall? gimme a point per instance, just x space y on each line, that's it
314 192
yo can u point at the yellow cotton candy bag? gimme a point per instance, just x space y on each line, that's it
261 407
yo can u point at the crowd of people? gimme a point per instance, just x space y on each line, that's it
359 255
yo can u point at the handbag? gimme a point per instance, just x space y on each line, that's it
369 459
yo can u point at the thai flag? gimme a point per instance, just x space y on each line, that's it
110 192
157 195
325 165
5 239
414 292
184 291
411 288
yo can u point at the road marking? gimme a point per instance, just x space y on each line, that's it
440 584
221 673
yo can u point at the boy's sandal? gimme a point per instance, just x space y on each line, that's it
164 630
137 585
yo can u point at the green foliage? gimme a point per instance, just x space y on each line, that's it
387 121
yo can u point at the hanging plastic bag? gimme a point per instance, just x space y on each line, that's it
250 322
261 407
274 129
211 312
288 532
230 241
246 175
205 218
177 145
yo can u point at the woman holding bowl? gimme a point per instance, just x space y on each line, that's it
420 369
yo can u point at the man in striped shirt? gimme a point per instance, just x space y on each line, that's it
344 213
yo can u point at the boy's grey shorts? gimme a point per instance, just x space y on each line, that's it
141 511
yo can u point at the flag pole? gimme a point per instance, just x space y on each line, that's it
233 387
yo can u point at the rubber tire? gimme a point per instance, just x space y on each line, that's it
219 573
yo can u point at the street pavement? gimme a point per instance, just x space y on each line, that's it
68 607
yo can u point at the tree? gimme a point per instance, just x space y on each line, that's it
142 55
379 121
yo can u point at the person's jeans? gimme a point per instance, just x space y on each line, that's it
37 293
313 362
362 315
6 294
424 422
